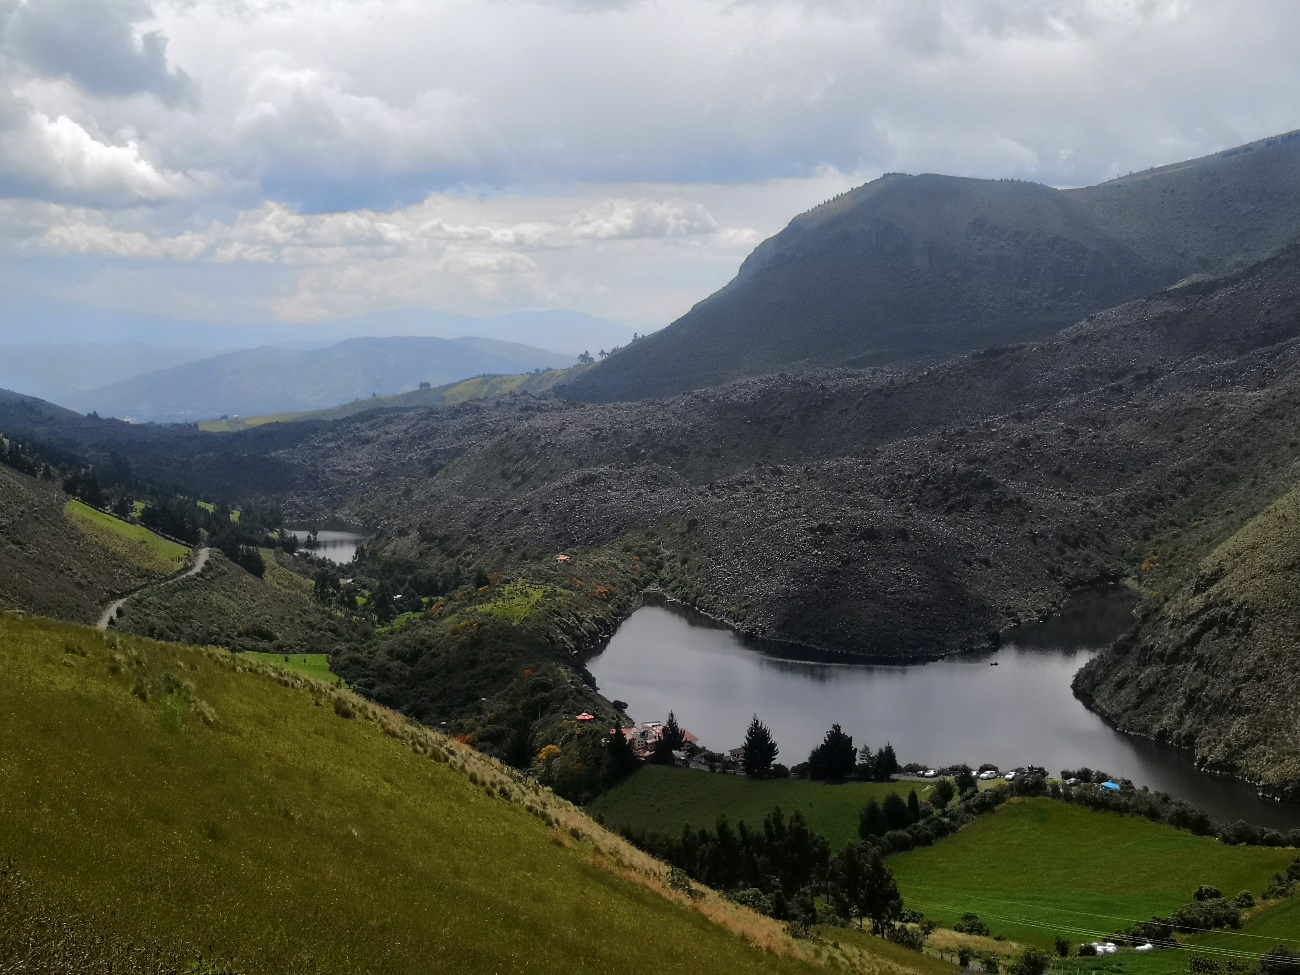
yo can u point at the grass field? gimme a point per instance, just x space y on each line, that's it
663 799
171 797
313 665
1039 868
135 542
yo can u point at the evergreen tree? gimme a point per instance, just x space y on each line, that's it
886 764
618 762
880 900
944 790
965 780
670 740
871 821
760 750
913 806
864 770
896 814
834 758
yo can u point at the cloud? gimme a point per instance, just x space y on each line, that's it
93 43
55 158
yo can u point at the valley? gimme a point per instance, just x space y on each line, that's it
999 476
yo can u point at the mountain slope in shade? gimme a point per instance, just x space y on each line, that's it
273 380
920 268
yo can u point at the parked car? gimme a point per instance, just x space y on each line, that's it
1009 776
988 776
931 773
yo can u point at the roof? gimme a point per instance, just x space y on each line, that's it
586 717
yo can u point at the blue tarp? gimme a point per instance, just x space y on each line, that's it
1112 786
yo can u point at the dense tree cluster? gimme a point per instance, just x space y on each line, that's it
779 868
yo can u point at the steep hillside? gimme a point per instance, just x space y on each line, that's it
273 380
920 268
57 563
1214 666
172 809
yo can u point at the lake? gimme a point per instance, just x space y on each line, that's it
335 546
960 709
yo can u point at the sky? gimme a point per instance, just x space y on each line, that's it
299 161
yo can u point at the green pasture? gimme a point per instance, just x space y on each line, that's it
1040 868
135 542
313 665
662 799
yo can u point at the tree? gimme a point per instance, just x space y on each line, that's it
760 750
671 739
1062 947
866 764
965 781
1032 961
1280 961
896 814
834 758
913 806
586 358
871 821
879 897
886 764
944 790
618 762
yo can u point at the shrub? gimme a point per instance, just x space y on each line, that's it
971 924
343 708
965 955
1244 900
1087 951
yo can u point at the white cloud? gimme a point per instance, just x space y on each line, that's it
621 157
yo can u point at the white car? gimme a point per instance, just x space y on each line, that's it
988 776
931 773
1009 776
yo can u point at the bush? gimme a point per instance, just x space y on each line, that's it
1280 960
1087 951
1245 900
965 955
343 708
906 936
971 924
1205 892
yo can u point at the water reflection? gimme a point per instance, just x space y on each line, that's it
962 709
336 546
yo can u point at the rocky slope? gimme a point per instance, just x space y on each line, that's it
1214 665
920 268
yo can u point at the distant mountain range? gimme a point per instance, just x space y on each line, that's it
60 371
910 269
272 380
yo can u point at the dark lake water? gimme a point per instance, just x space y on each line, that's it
962 709
335 546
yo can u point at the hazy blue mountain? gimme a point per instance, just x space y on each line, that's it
910 269
59 370
277 380
27 318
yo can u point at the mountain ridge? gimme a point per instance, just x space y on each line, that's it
913 269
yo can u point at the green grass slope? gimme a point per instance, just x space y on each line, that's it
55 566
1036 869
136 543
227 607
313 665
176 799
662 799
1216 669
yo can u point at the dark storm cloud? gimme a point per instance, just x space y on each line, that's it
93 43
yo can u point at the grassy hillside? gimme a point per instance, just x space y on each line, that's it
176 799
68 567
225 606
1038 868
662 799
136 543
313 665
1217 669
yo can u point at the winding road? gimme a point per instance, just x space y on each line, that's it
200 560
